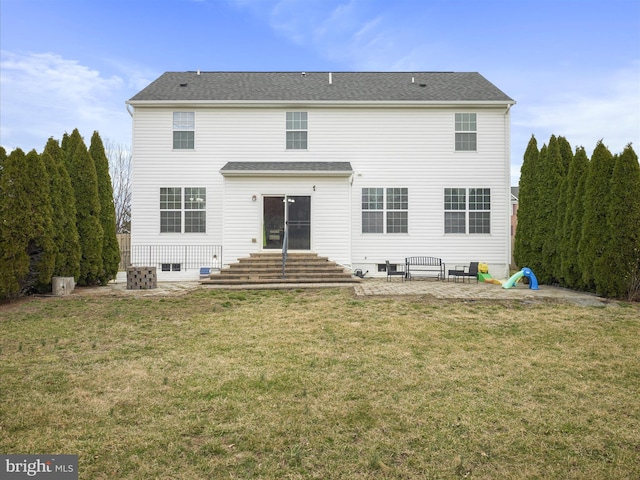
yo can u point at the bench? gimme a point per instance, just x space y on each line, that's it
424 266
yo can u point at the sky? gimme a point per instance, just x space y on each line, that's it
573 66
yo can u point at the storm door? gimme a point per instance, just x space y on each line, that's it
299 222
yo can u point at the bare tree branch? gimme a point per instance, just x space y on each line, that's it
120 159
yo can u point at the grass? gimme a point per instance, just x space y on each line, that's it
320 384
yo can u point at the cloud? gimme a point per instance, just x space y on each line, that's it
587 109
44 95
361 35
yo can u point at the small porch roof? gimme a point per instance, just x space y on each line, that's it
306 169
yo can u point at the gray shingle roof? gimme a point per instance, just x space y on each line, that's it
322 86
316 168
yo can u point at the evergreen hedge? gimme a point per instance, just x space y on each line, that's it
579 219
56 212
26 237
110 247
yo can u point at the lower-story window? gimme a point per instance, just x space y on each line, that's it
183 210
467 210
171 267
385 210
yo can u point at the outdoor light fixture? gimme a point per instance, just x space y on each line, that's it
253 198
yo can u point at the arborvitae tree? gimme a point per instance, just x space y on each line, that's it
110 248
27 232
63 202
524 250
595 234
549 186
3 158
64 144
84 180
576 177
566 156
617 271
54 199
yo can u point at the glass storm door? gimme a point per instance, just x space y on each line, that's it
273 216
294 209
299 222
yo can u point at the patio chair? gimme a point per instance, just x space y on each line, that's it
465 272
394 273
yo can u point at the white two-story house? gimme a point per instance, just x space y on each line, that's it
363 166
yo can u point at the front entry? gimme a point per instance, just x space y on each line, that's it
293 210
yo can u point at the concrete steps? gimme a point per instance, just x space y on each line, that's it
266 268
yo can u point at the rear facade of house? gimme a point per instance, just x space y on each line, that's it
363 167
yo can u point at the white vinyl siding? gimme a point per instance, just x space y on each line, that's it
387 147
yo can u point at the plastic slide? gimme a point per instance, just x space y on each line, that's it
516 277
486 278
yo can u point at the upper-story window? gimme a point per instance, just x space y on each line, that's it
184 130
466 132
296 130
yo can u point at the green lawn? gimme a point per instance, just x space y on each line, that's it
321 384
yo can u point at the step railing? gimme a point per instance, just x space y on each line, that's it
285 246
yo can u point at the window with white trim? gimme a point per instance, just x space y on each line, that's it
467 210
479 210
466 132
297 130
170 267
184 130
385 210
180 213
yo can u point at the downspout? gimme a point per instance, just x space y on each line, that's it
507 143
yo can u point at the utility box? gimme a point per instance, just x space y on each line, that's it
61 286
141 278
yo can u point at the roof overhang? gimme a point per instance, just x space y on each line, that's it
315 103
288 169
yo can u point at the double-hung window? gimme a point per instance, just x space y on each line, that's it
385 210
183 210
466 132
479 210
455 210
296 130
170 210
467 210
184 130
397 210
195 214
372 210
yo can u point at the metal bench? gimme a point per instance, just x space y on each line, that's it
424 266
